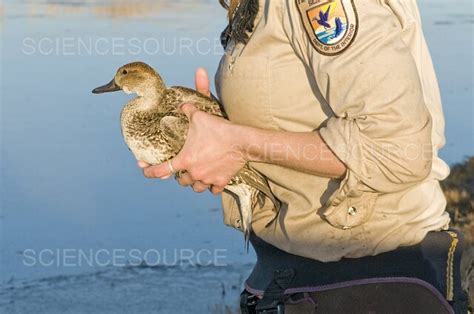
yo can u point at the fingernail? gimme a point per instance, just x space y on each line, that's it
201 70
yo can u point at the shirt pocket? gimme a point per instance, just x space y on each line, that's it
351 212
349 206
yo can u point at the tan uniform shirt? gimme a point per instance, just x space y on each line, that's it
376 104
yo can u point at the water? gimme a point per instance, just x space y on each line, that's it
69 186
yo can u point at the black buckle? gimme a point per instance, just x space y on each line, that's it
274 298
248 303
277 309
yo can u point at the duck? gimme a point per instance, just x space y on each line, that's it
155 131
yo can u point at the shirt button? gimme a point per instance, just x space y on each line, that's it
352 211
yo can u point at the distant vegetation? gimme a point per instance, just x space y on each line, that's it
459 191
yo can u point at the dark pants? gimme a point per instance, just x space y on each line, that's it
424 276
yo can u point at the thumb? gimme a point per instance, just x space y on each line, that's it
202 82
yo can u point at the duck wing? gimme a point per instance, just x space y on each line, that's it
174 130
177 95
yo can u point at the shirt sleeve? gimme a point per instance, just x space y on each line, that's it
381 128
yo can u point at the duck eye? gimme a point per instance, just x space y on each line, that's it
124 72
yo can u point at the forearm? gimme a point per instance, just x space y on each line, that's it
304 151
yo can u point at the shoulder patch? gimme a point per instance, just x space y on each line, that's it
331 25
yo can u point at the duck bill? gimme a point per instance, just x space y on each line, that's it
108 88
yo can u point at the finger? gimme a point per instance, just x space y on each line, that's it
161 171
216 190
202 82
200 187
143 164
185 180
188 109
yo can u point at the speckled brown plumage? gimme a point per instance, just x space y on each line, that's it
155 130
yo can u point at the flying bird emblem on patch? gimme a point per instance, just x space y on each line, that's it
331 25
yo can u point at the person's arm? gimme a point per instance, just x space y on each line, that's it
303 151
381 128
217 149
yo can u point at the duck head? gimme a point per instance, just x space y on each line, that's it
135 78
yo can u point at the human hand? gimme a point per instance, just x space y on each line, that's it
211 165
201 80
210 155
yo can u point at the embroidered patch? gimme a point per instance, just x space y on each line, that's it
331 25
